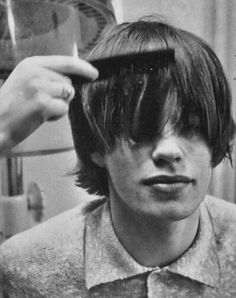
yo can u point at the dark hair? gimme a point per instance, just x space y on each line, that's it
137 104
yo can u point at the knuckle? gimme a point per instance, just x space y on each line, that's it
34 85
68 92
27 67
67 79
25 62
30 60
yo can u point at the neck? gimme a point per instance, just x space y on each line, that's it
150 241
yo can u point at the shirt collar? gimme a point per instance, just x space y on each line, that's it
201 262
106 260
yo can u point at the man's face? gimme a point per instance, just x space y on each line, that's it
166 178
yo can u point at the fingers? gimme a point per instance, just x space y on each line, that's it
51 97
62 89
38 90
56 108
49 75
42 81
65 64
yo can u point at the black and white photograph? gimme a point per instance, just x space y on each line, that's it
117 146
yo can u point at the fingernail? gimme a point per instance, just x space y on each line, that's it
94 74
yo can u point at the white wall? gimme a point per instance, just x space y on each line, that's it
187 14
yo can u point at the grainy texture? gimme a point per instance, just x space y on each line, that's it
77 254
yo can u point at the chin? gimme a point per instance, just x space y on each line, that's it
172 212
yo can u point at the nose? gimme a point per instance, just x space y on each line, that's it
167 150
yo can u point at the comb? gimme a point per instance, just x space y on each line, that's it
149 61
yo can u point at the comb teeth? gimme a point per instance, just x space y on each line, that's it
149 61
145 61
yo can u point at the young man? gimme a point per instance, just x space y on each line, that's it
147 139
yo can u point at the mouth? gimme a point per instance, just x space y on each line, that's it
166 183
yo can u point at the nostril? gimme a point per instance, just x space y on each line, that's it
162 161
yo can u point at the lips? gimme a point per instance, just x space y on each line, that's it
166 183
168 179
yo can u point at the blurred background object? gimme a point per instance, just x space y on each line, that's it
41 27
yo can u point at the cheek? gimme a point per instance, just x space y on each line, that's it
123 167
122 161
119 167
202 164
119 177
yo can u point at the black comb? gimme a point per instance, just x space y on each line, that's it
150 61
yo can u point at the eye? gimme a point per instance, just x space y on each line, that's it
192 125
193 121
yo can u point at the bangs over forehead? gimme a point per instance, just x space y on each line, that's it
137 104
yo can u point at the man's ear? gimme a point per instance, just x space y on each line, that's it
98 159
